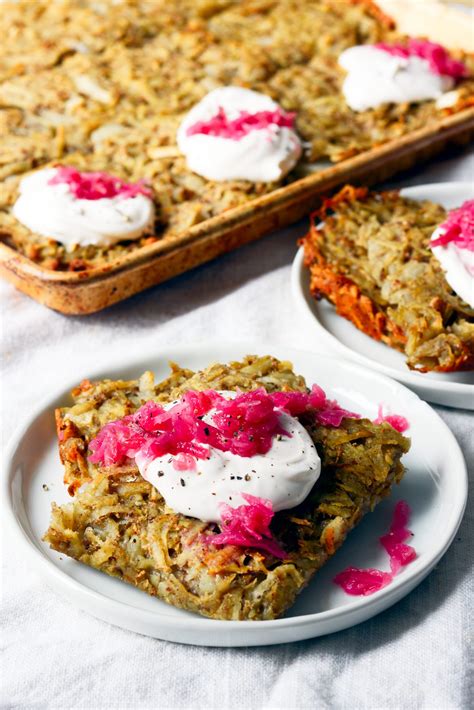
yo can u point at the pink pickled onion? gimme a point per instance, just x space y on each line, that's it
458 228
247 526
223 127
436 55
95 186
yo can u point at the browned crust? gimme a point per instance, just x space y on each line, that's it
344 293
373 9
348 299
72 450
461 105
464 362
348 193
350 302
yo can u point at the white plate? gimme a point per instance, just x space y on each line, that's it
454 389
435 486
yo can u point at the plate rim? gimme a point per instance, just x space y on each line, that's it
416 379
74 589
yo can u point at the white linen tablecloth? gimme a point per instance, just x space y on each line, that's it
415 655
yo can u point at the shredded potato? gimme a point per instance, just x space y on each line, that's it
118 523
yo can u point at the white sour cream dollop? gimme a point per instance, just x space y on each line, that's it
375 77
458 267
284 475
262 155
53 211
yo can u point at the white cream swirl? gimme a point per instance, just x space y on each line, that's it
458 267
53 211
285 475
375 77
262 155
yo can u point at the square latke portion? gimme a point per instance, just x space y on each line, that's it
118 523
368 253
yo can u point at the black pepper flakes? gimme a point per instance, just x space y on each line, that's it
181 480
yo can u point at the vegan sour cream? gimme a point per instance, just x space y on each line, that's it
284 475
50 207
238 134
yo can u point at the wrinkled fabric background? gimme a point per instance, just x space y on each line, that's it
414 655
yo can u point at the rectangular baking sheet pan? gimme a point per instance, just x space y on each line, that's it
89 291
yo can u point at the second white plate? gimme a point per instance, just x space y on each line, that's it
342 337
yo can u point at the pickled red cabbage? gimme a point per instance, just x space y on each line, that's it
95 186
458 228
362 582
436 55
223 127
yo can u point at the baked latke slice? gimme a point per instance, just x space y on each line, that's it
368 253
118 523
